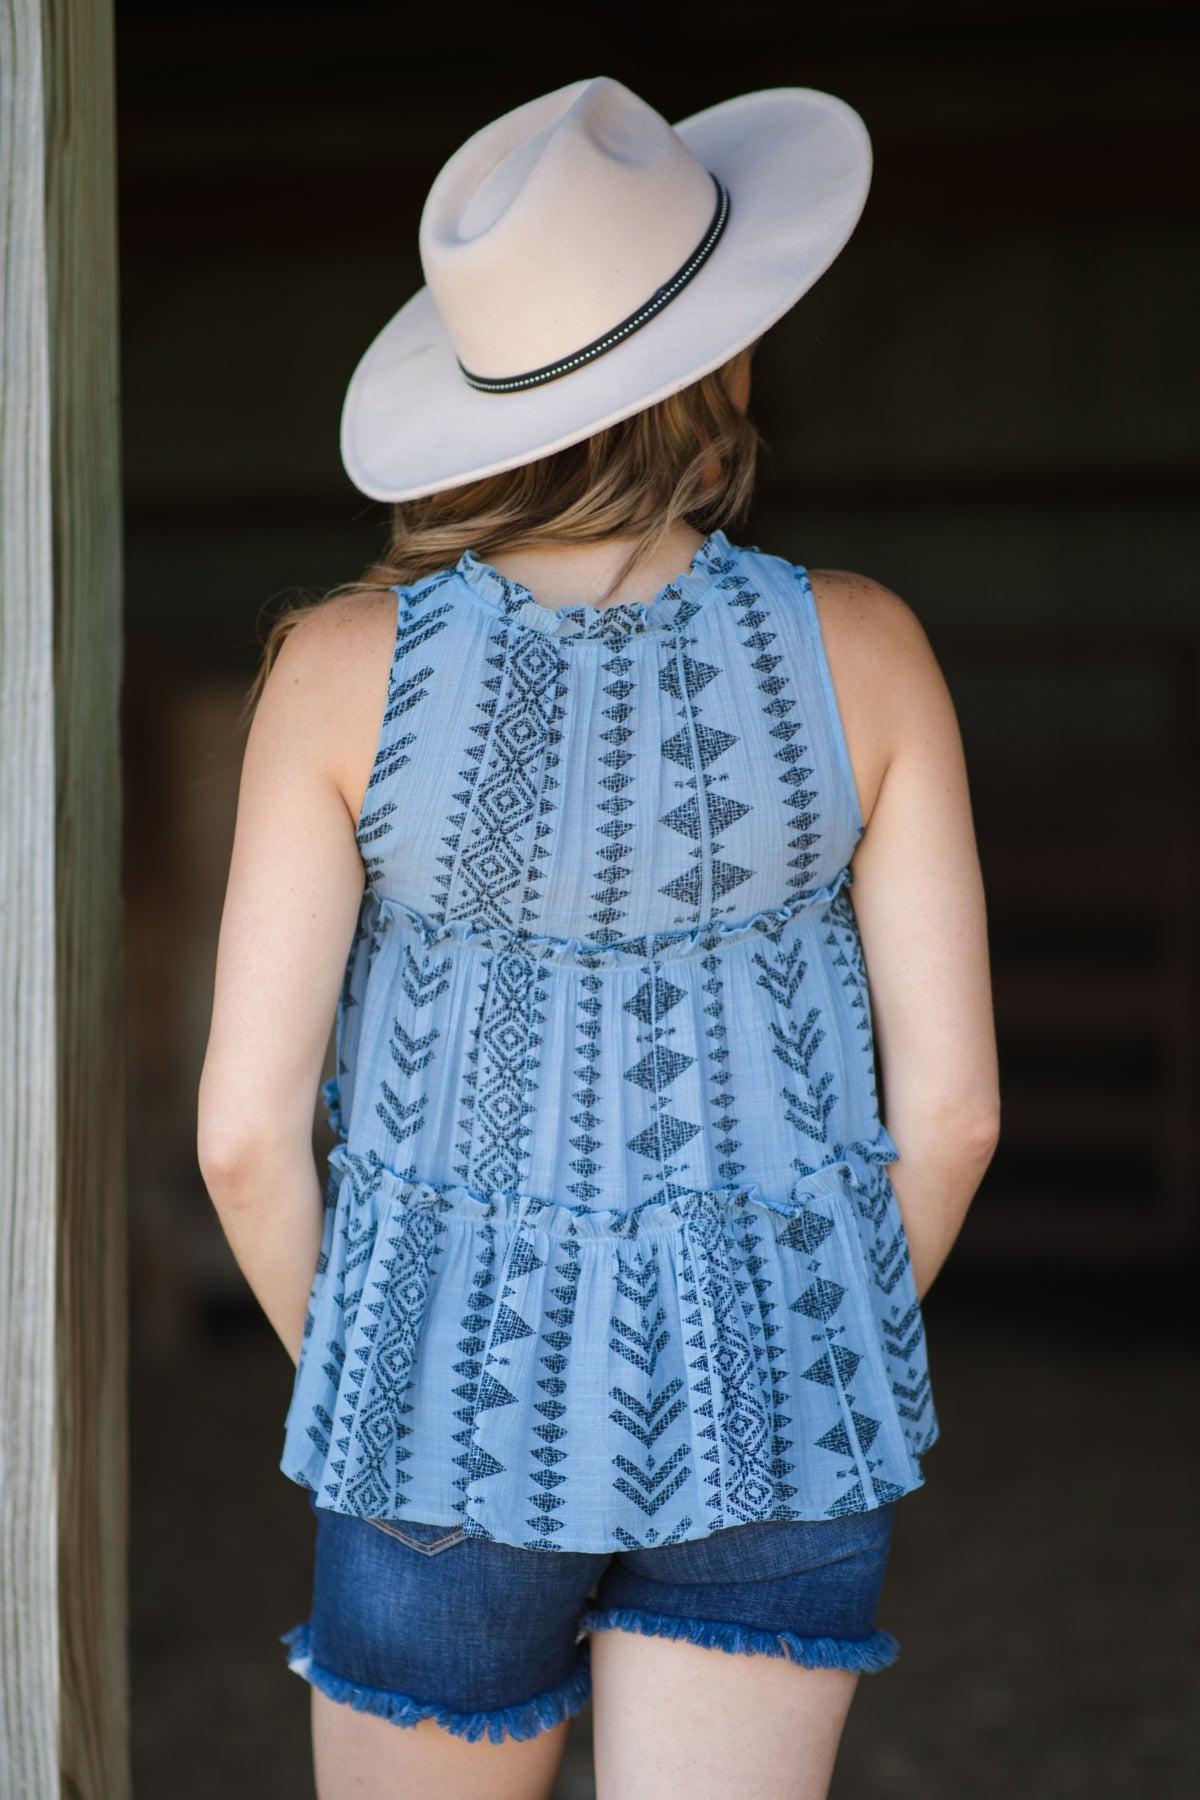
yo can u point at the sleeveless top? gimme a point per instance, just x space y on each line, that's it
611 1257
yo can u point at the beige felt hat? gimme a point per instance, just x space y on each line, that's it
584 259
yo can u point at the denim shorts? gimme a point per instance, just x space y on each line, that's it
414 1621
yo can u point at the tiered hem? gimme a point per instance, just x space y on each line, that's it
556 1377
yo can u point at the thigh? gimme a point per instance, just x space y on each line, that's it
728 1665
671 1719
472 1645
358 1756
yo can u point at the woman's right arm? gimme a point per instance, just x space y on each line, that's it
919 900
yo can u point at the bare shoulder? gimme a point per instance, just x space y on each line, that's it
865 622
875 640
338 641
884 671
327 686
333 663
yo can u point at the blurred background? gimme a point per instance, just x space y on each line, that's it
989 404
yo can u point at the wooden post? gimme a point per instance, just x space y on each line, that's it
63 1343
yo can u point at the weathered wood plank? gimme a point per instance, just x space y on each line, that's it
63 1348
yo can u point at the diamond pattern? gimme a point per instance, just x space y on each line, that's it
610 1256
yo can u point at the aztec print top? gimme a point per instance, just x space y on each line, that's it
611 1256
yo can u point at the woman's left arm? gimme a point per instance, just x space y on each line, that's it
291 905
920 907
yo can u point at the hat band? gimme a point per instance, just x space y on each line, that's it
659 298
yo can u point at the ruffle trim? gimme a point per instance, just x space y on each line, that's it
862 1655
525 1720
706 1365
656 946
372 1178
674 604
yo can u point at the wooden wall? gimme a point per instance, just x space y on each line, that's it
63 1478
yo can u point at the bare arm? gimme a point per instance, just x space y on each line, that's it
291 904
918 896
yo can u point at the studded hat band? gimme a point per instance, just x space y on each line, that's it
659 298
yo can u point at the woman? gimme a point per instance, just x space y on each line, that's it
611 1373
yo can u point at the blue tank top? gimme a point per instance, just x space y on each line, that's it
611 1257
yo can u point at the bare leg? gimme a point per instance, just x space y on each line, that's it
357 1756
671 1719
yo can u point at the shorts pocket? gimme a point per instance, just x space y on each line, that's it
430 1540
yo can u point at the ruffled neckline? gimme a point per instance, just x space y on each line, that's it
673 605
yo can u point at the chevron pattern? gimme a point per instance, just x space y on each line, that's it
610 1256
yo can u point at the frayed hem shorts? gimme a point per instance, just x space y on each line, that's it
414 1621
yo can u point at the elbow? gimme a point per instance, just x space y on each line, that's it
964 1126
979 1132
241 1175
983 1141
234 1131
229 1149
248 1147
223 1158
220 1136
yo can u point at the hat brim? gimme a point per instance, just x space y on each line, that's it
797 163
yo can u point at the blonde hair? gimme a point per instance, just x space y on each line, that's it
691 457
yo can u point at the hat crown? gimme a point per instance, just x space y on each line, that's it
552 224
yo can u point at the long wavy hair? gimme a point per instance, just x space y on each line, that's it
691 457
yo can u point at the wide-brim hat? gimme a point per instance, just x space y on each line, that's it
584 259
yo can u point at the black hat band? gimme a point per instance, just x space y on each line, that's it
659 298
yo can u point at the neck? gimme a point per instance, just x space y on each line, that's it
578 574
